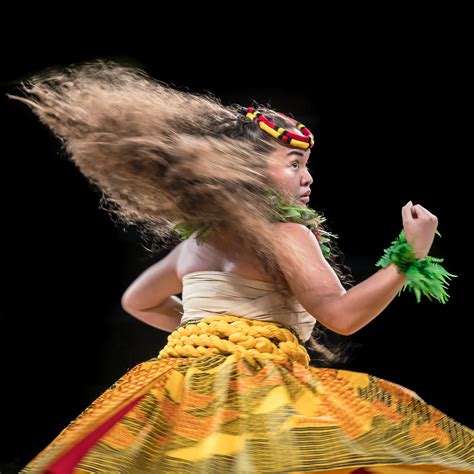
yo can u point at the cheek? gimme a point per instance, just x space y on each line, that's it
291 174
287 176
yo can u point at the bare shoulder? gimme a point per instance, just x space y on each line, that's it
292 227
299 233
302 240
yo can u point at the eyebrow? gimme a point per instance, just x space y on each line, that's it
296 152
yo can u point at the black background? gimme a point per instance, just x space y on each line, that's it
394 130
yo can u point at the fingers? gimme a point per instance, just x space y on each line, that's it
410 212
424 214
425 211
406 211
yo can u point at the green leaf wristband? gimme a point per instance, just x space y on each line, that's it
424 275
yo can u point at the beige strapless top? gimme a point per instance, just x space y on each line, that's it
209 293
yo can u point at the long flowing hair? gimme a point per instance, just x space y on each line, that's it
161 157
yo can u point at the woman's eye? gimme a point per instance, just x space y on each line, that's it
298 163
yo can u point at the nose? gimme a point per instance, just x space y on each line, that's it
307 178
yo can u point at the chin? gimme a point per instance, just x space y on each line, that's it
303 201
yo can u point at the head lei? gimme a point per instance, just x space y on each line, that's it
303 140
283 212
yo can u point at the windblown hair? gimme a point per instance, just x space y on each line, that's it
161 156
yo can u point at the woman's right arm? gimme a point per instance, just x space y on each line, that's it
362 303
321 293
319 290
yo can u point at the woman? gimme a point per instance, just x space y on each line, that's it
233 390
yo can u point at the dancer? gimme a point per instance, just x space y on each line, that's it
233 389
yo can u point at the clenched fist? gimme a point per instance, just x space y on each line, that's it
420 228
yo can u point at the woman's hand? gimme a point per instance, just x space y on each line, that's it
420 228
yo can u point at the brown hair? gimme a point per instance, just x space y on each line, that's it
139 141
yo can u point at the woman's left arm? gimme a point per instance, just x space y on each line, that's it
151 297
166 316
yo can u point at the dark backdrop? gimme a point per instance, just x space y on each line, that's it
393 131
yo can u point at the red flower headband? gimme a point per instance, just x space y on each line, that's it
304 140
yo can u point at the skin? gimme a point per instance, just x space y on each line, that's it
287 167
344 312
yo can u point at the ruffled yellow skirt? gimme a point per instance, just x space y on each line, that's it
234 395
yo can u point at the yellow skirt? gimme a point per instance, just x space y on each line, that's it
233 395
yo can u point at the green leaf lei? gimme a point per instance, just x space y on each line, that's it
282 212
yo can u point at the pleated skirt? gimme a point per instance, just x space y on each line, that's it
233 395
